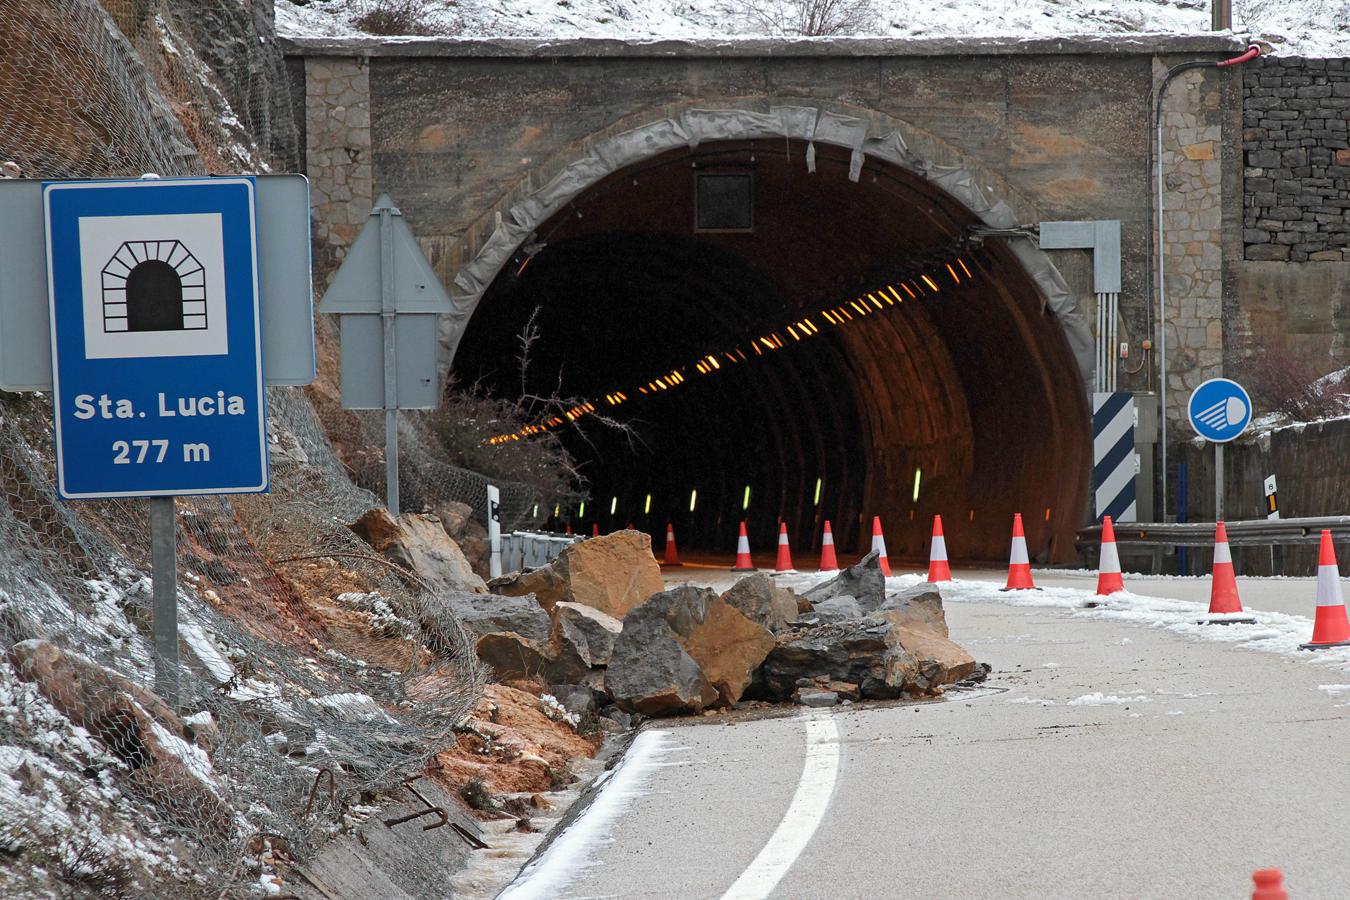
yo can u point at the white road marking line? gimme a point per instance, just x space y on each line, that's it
803 815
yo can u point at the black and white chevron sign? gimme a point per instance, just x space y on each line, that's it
1114 462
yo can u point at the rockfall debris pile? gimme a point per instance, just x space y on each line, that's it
599 627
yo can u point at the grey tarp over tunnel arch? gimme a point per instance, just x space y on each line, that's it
803 123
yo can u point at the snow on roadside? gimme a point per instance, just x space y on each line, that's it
1097 698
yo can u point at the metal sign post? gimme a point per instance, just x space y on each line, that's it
387 297
1219 410
164 574
494 503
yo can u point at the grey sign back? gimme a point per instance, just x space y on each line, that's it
286 294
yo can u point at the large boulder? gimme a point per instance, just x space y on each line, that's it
135 726
863 582
683 650
612 573
485 613
586 632
420 544
761 600
512 656
834 609
919 607
885 658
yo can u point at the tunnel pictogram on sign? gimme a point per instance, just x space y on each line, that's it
154 286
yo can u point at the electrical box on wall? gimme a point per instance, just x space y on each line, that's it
724 201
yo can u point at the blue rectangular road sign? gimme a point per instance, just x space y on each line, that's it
156 345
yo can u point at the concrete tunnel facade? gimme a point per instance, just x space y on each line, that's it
959 395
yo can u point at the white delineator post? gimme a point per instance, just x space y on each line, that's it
494 525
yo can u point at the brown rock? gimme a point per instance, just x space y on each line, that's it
728 647
936 660
455 518
420 544
512 656
612 573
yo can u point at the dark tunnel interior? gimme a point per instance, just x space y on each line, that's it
928 380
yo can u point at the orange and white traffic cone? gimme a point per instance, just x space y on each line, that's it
1331 628
784 565
1109 580
1269 885
828 561
1225 608
938 567
1019 563
569 529
743 561
879 544
595 529
672 554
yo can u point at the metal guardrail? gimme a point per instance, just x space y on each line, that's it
530 549
1249 533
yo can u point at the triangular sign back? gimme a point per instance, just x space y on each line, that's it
356 286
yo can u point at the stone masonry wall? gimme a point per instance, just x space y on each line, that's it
1296 138
1192 219
338 157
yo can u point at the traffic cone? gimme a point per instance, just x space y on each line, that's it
743 561
938 567
595 529
1225 607
879 544
828 561
672 554
1108 567
1019 563
1331 628
569 529
784 565
1269 885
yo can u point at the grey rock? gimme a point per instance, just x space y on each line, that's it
650 673
584 631
818 698
835 609
485 613
863 581
760 600
577 698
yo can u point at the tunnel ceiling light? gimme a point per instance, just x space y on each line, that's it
915 284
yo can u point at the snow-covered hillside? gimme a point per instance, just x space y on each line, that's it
1294 27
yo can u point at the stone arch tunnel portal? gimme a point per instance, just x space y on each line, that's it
793 345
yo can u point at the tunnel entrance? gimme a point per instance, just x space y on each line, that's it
838 352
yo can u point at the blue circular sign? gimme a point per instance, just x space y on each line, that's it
1219 410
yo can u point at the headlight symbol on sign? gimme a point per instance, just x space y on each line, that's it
1219 410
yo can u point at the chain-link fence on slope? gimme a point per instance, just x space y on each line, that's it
310 664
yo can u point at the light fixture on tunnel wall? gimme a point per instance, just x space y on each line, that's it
581 513
820 482
693 499
613 506
918 477
647 507
745 503
724 201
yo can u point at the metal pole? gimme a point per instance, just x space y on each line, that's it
387 315
1221 15
164 573
1218 482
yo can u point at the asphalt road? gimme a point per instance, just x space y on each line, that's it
1218 761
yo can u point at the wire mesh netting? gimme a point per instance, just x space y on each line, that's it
314 672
